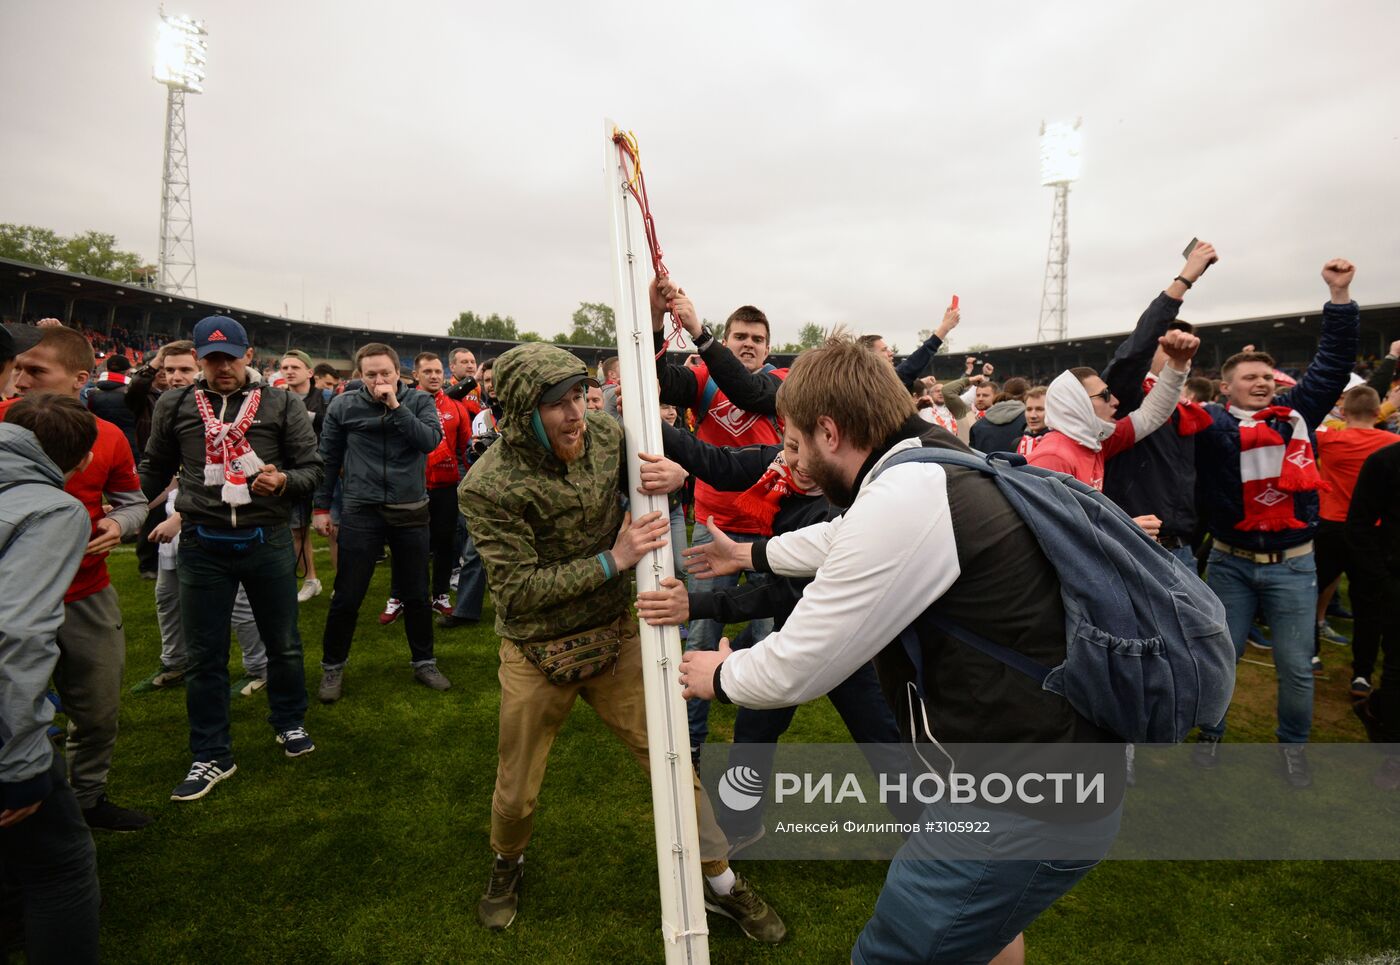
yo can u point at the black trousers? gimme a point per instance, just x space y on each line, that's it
50 857
442 540
363 533
146 558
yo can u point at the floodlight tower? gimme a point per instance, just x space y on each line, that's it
180 58
1059 165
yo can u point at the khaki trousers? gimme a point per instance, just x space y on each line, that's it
532 711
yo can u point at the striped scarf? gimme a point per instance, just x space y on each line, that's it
228 458
762 500
1272 470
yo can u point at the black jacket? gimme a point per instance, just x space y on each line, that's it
735 470
140 398
1376 548
107 400
755 392
1157 476
280 434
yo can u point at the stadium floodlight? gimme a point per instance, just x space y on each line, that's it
1059 165
181 53
1059 153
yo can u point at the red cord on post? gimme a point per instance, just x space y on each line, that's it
630 156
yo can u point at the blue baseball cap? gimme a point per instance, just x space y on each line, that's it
219 333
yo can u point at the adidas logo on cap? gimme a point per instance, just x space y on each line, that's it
218 336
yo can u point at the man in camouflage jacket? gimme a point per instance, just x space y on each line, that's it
542 505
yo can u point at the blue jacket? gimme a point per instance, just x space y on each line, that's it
1218 447
383 452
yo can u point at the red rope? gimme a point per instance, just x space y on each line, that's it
630 157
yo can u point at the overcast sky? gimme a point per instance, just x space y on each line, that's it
854 162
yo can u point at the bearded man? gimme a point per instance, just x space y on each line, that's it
544 507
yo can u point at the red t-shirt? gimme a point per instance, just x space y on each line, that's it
1059 452
112 470
1340 453
722 423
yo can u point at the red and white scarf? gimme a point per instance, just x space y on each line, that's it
1191 417
762 500
943 417
118 377
228 458
1272 470
1027 443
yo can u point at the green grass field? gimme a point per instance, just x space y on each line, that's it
374 848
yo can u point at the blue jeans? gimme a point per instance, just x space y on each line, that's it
967 910
209 580
471 581
1186 555
705 634
1286 595
363 533
50 856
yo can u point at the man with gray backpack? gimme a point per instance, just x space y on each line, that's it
1000 603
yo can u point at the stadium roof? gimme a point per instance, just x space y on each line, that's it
29 292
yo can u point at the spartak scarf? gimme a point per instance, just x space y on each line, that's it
1192 417
1271 470
228 458
943 417
118 377
1027 443
762 500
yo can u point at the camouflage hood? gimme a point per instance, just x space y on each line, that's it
521 376
543 528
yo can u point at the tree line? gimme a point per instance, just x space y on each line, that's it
92 253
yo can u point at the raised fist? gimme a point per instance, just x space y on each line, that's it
1338 274
1180 347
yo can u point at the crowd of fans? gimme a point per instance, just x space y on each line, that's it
500 478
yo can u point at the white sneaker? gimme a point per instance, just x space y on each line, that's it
310 588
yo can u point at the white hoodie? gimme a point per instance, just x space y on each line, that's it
1068 408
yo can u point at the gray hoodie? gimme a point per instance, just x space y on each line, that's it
43 532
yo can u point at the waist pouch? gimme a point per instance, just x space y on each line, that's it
229 542
404 515
578 656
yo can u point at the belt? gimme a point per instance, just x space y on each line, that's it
1171 542
1277 556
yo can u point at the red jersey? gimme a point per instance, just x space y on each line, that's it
1340 453
722 423
442 466
1059 452
112 470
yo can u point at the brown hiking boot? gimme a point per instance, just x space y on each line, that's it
498 906
752 914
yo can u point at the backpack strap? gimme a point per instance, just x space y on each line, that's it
909 637
952 457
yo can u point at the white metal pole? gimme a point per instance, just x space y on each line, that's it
668 736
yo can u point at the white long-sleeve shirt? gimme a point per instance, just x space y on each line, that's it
874 570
